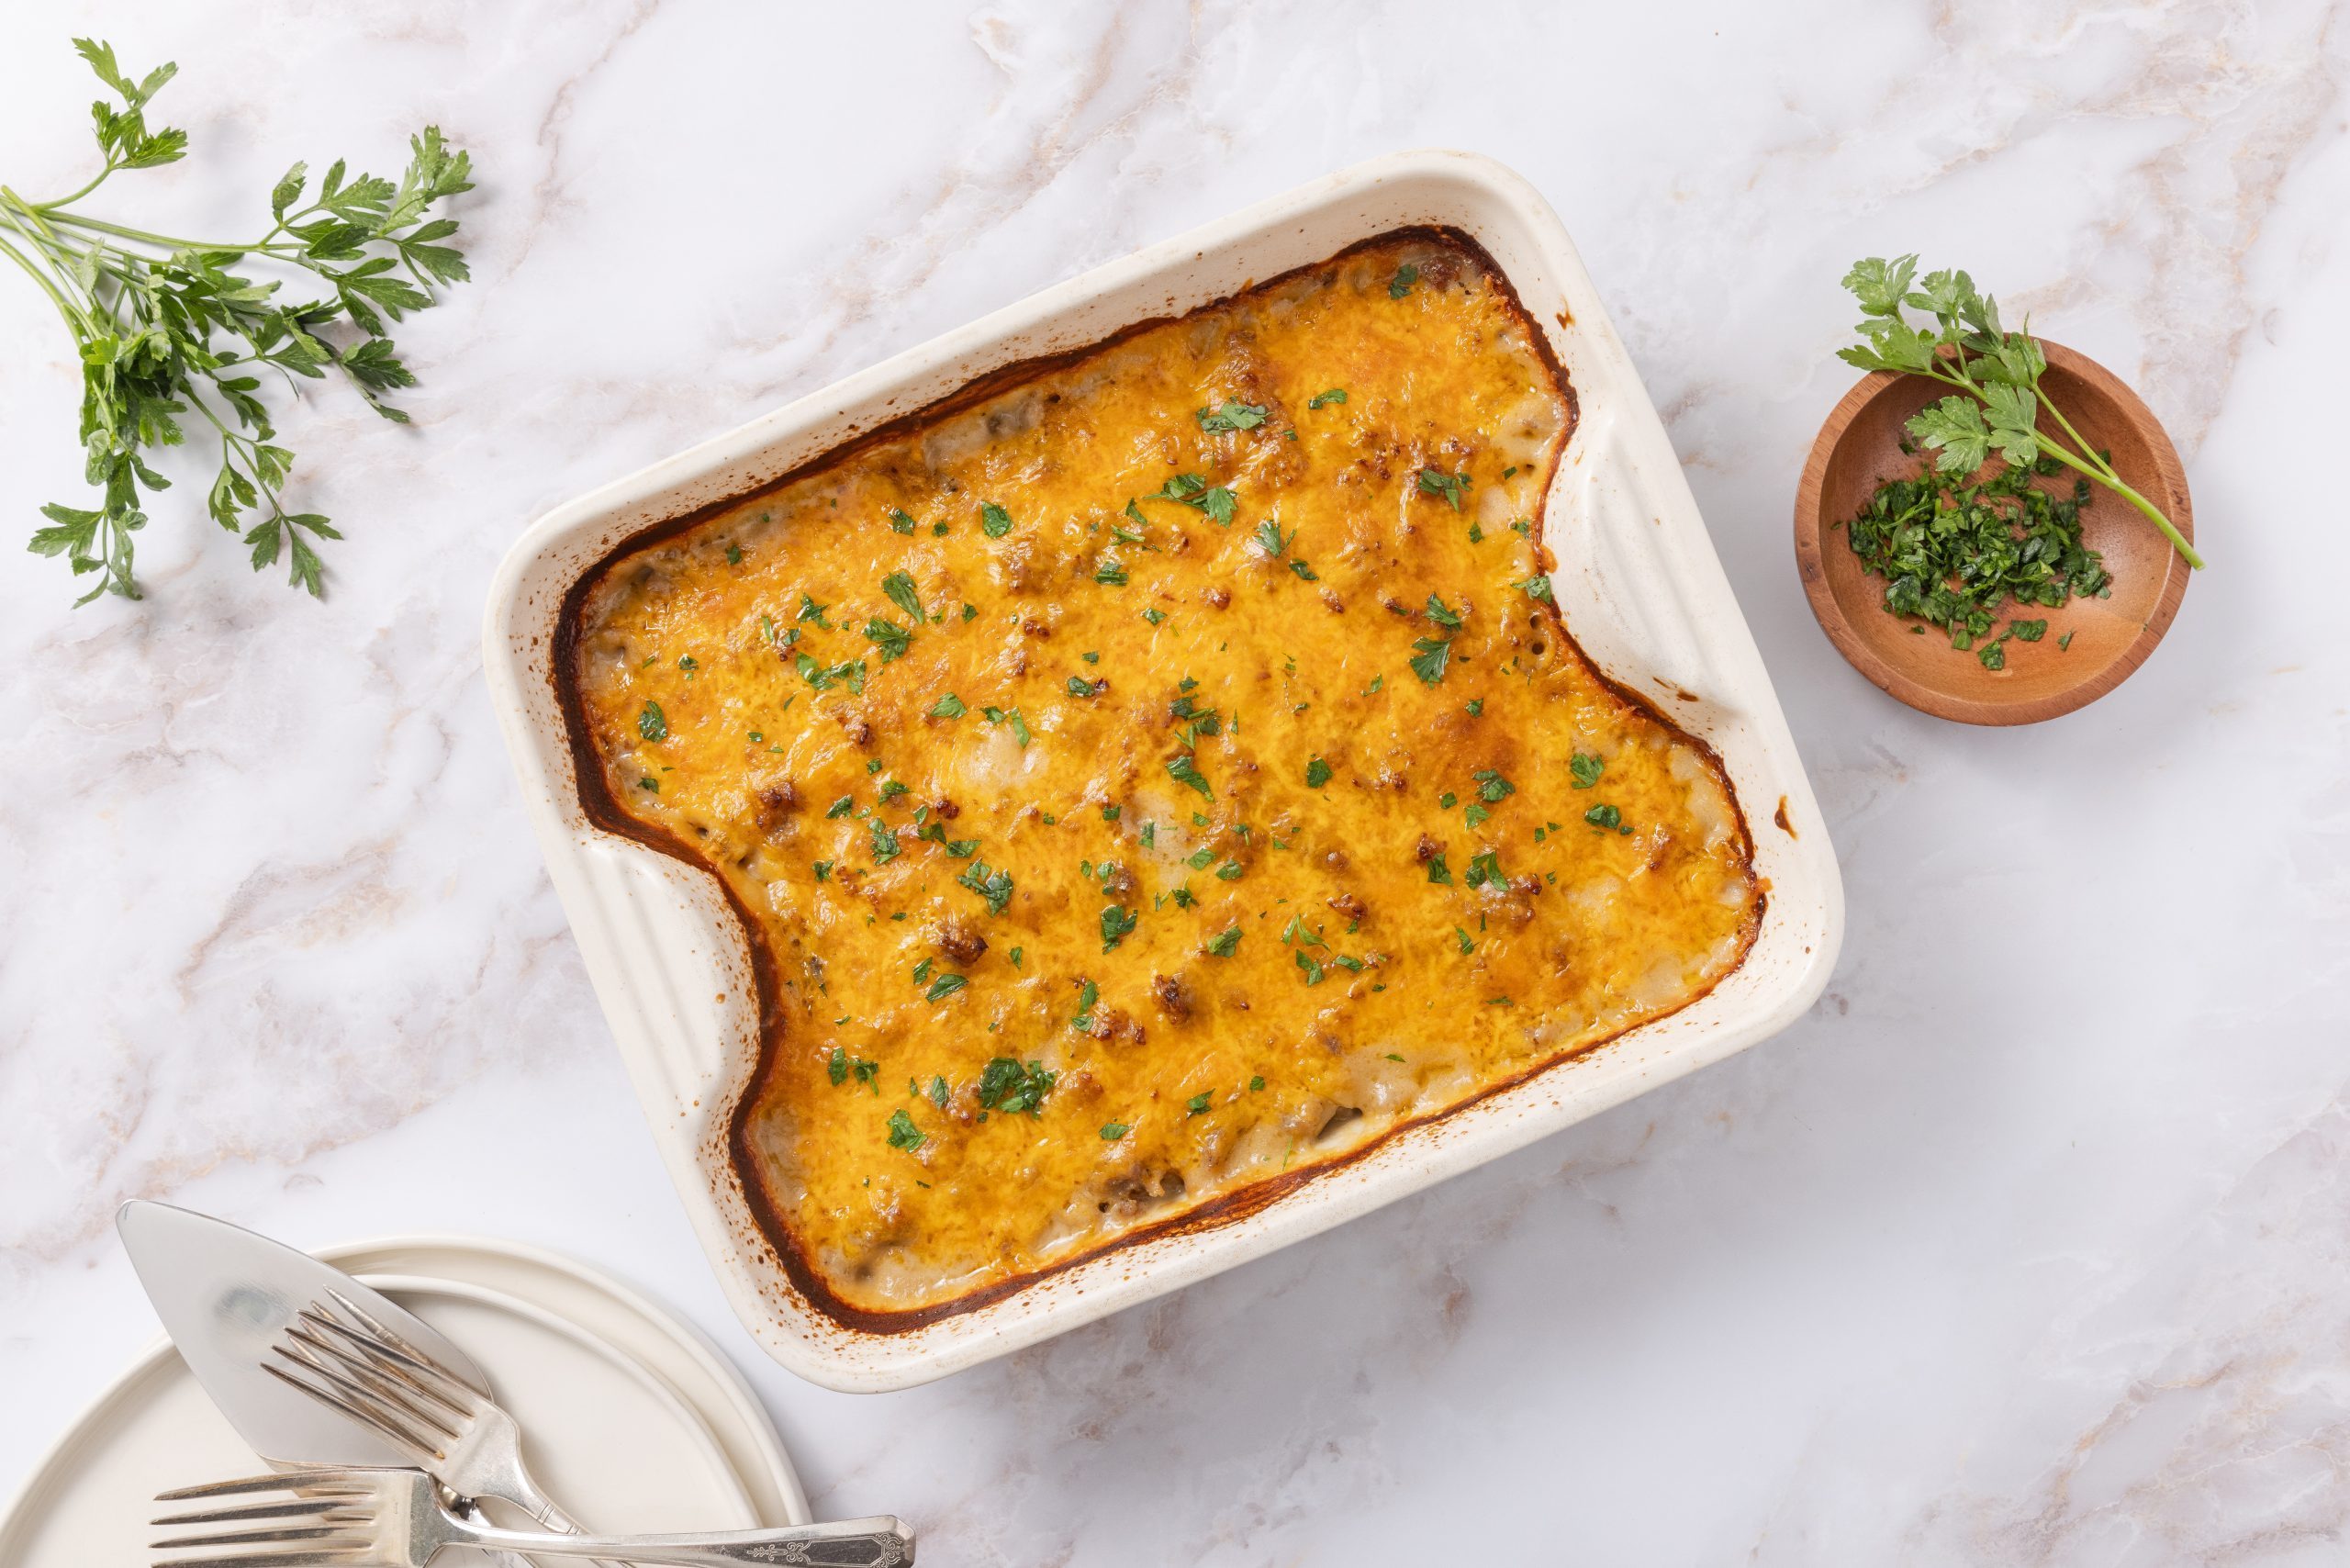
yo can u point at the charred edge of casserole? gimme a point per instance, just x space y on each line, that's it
1212 1212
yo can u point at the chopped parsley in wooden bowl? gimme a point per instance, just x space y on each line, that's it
2000 637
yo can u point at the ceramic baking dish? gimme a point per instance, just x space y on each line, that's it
1642 592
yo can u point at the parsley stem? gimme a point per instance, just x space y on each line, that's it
64 308
95 181
2113 482
168 241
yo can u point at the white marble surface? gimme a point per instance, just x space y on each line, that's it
2031 1245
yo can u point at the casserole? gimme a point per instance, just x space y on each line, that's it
1642 593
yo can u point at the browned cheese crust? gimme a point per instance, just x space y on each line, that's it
1156 779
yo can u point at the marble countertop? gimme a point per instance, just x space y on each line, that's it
2030 1245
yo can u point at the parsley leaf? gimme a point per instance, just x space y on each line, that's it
1604 816
1335 395
1442 615
900 522
948 707
1231 417
944 986
1112 1131
1537 587
1438 872
1226 943
1008 1088
903 1133
1452 486
1491 786
901 592
1429 658
1585 768
891 639
652 723
1317 773
1483 869
1117 923
991 885
1183 770
1401 284
994 522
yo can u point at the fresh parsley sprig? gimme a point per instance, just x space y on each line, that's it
1996 374
165 330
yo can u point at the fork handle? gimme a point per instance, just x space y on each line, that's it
879 1542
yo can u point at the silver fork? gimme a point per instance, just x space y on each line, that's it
395 1518
446 1425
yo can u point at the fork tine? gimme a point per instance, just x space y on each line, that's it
323 1536
427 1376
388 1367
307 1483
360 1381
387 1336
342 1554
296 1507
357 1403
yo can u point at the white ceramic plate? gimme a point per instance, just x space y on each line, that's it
630 1417
1642 591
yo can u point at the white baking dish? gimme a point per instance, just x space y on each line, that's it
1638 583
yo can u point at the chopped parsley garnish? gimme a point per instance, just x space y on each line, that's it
1484 868
1313 969
733 554
885 842
1257 1083
842 1066
1429 658
991 885
899 521
1199 858
1452 486
903 1133
1474 707
903 593
1475 813
1953 554
1468 943
1536 587
1438 872
1317 773
891 789
649 783
1117 923
687 663
1008 1087
1112 1131
948 707
1335 395
1111 571
1226 943
1154 616
1607 817
1586 769
1230 871
1183 770
887 636
938 1092
1442 616
1491 785
1087 993
1079 686
1401 284
652 725
944 986
994 522
811 610
824 870
1112 814
1198 1104
841 807
1230 417
824 678
1010 716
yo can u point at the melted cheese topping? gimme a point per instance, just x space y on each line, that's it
1159 776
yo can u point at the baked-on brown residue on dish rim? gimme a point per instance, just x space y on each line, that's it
1220 1209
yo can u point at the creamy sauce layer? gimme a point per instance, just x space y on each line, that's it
1163 775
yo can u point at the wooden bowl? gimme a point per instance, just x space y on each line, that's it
1860 447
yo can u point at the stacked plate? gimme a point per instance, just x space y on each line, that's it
624 1407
